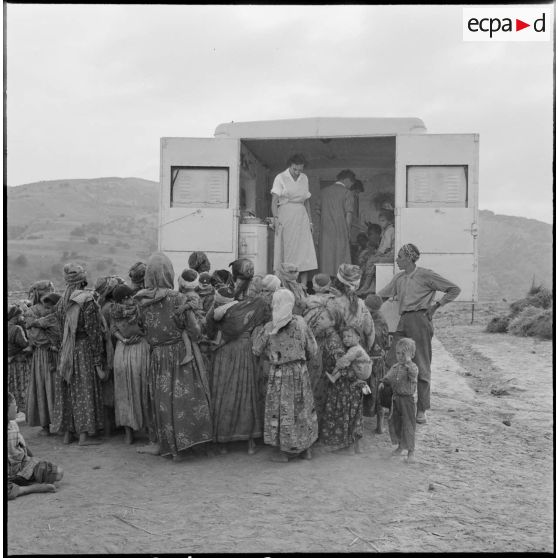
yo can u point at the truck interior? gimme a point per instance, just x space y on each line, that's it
371 158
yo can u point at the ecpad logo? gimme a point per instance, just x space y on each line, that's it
507 24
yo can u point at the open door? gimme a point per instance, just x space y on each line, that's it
436 198
198 205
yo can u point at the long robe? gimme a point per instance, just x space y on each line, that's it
235 400
335 248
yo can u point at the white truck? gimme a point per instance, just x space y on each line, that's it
215 192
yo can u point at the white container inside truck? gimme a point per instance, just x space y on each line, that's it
215 192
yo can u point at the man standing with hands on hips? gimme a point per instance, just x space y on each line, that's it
415 288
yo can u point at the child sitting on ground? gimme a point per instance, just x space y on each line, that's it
26 473
188 282
402 378
355 363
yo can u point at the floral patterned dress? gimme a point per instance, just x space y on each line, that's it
79 403
179 393
290 420
330 347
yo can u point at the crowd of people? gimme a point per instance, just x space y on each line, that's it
230 356
227 357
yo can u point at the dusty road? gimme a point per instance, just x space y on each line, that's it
478 484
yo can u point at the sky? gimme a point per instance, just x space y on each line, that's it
92 88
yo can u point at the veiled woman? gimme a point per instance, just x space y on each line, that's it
234 390
41 390
288 274
81 363
291 425
179 393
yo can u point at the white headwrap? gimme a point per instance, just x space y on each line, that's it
282 309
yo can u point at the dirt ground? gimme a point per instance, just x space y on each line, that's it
478 484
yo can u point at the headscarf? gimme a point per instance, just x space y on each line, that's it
74 274
321 282
287 272
159 273
106 285
282 309
188 280
271 283
137 273
243 268
316 306
120 311
349 275
39 289
159 279
411 251
199 262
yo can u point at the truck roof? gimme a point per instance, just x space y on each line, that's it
320 127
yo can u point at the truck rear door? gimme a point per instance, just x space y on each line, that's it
436 190
199 199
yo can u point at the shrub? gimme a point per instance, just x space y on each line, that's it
522 322
112 250
499 324
542 326
93 240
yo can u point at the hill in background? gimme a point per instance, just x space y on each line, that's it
107 224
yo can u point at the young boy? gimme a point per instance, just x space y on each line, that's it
402 378
206 291
26 473
355 363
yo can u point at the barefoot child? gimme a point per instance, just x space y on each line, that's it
402 378
26 473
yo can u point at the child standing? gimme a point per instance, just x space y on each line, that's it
342 425
26 473
402 378
378 355
206 291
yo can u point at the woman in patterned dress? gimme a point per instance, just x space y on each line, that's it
18 356
291 424
342 425
178 393
41 391
82 362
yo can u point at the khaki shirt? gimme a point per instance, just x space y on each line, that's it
416 290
